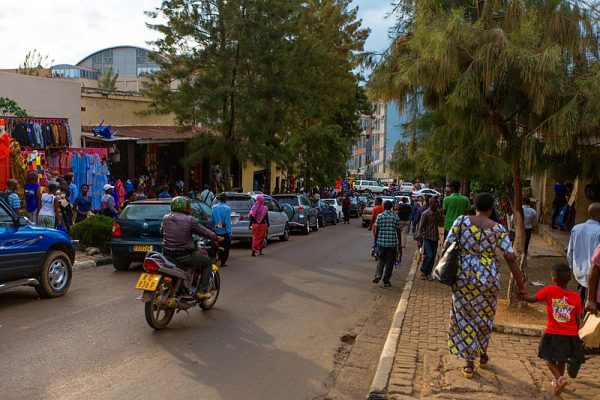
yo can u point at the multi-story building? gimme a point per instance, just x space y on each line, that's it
368 154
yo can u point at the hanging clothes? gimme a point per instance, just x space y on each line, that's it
120 192
4 161
101 174
18 167
80 165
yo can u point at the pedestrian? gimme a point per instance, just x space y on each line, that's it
559 203
593 293
221 220
428 236
31 190
12 197
530 221
82 204
130 197
388 234
424 207
48 212
346 209
455 205
378 209
560 343
163 192
66 210
72 188
108 202
404 213
475 292
207 196
259 224
584 239
141 192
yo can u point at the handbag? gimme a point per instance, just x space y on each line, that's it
447 267
590 331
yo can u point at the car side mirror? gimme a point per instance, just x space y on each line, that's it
23 221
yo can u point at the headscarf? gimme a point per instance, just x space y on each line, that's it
259 210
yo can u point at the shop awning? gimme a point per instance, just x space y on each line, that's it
143 134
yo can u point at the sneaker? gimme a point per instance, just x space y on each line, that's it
377 279
387 284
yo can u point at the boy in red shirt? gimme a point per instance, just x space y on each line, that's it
560 343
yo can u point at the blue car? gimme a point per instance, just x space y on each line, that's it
34 256
325 213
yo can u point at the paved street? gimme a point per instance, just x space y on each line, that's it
274 334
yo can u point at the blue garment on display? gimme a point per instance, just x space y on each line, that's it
101 174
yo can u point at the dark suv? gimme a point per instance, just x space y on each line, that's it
34 256
302 213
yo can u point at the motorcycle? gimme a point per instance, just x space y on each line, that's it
166 286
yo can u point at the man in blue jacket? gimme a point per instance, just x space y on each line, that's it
221 220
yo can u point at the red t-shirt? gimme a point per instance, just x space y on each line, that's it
562 308
374 213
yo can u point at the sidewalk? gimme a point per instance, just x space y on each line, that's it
423 368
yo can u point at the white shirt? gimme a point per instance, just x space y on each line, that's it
47 204
584 239
530 217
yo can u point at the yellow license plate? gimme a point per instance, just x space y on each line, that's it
148 282
139 247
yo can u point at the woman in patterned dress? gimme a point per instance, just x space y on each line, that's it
475 293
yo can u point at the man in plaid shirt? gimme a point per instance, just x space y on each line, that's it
388 232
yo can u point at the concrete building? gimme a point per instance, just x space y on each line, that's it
368 154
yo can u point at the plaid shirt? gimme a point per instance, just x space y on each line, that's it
387 224
430 222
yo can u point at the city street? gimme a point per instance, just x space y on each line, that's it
274 333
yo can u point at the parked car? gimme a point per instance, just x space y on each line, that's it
370 187
407 187
426 192
326 213
34 256
137 229
301 212
368 211
337 205
354 210
241 204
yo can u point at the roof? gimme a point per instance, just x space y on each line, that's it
118 47
144 134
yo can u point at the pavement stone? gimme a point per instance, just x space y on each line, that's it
424 369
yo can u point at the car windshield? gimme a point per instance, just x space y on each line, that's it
330 202
291 200
145 211
240 203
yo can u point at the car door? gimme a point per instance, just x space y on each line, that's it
275 222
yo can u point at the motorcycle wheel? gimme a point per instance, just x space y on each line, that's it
215 287
157 316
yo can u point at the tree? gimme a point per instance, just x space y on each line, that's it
503 80
35 64
109 80
9 107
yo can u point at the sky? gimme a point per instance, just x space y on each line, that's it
70 30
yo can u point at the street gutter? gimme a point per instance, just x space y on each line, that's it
87 265
378 390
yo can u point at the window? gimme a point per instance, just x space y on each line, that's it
103 61
273 206
306 201
6 220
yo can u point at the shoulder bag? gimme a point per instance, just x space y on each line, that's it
447 267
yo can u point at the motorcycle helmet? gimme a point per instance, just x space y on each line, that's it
181 204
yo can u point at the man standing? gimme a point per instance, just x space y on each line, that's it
11 196
428 236
207 197
221 220
72 188
584 239
141 192
455 205
404 213
387 233
530 220
108 202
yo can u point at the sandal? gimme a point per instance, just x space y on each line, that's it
484 360
468 371
559 385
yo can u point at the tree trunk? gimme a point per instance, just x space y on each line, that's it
519 243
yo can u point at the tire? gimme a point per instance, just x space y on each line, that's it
322 221
316 225
286 234
152 310
306 229
56 274
215 287
120 265
334 221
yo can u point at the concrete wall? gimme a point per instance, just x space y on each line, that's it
119 110
45 97
250 168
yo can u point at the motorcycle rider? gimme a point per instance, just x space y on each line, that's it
177 228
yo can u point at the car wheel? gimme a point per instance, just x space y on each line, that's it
286 234
322 221
56 274
120 265
335 221
306 229
316 225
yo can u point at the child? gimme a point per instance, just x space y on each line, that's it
560 343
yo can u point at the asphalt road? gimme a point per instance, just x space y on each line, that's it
273 334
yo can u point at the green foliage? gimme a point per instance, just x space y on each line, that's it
9 107
35 64
94 231
261 77
109 80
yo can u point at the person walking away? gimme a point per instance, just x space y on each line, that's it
454 206
11 196
530 221
108 202
259 224
221 220
141 192
560 343
593 293
584 239
388 233
346 209
66 210
414 221
207 196
31 190
378 209
177 228
559 202
428 236
48 213
424 207
475 292
72 188
404 211
83 204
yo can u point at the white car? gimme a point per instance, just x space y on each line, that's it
337 204
371 187
407 187
426 192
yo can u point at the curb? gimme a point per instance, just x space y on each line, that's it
87 265
518 330
379 385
